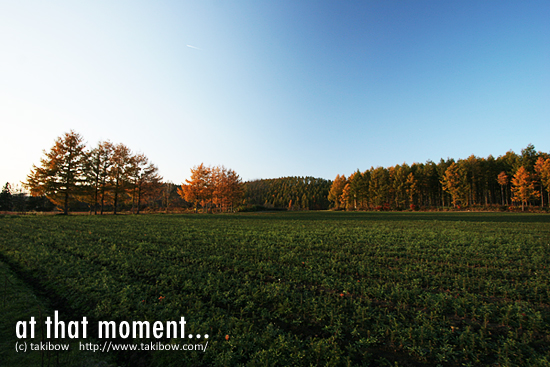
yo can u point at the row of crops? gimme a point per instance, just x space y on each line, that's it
305 288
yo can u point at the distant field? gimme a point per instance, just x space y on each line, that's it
302 288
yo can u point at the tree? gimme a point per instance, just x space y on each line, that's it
523 187
470 173
453 183
346 197
412 188
121 164
545 177
61 173
233 188
503 182
441 169
198 188
379 186
356 188
97 173
399 177
539 170
336 190
143 178
214 187
528 157
6 201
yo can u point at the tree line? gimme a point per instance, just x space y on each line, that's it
108 175
510 179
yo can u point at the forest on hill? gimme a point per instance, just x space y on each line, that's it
110 178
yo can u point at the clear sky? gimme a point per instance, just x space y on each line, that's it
275 88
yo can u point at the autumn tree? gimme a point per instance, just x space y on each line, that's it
233 188
453 183
398 177
213 186
523 187
227 187
336 190
346 198
441 168
412 188
60 175
198 188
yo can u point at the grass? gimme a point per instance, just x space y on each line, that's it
305 288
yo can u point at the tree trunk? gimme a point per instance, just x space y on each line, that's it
138 198
116 198
66 204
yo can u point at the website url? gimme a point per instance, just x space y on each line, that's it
152 346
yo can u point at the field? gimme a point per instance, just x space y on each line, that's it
300 288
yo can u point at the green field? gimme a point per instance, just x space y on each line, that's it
300 288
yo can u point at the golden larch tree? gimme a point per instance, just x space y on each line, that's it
453 183
198 188
523 188
336 190
60 175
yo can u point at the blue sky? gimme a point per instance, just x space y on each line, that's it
275 88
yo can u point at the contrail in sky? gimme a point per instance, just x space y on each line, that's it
196 48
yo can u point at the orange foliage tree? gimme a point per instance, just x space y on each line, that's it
523 187
337 189
453 183
197 189
61 173
212 187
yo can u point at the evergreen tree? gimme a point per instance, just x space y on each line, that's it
6 199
